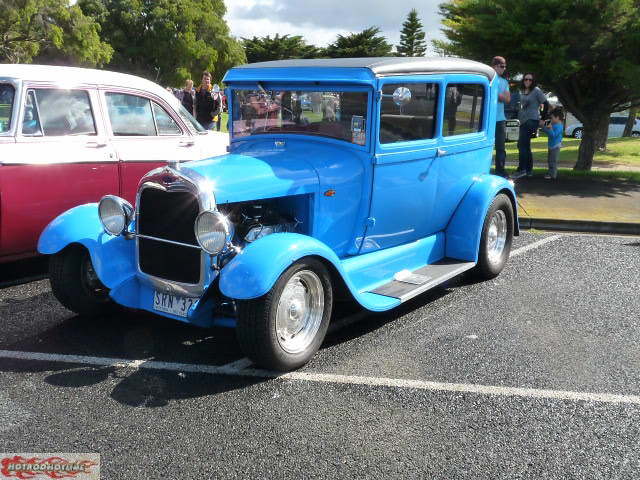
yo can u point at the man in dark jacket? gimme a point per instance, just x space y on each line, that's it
207 106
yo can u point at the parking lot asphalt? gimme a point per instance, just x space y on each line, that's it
530 375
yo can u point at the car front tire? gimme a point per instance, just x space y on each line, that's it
75 284
577 133
283 329
496 240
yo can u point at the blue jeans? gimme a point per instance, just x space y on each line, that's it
525 157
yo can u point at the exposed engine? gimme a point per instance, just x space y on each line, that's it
254 220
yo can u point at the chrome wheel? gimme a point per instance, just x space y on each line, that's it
300 311
496 237
577 133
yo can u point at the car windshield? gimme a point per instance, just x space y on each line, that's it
334 114
7 93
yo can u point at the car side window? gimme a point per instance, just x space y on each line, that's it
463 108
7 92
53 113
130 115
414 120
165 124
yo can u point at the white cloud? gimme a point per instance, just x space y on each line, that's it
320 21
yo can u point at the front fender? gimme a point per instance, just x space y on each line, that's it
254 271
113 258
465 228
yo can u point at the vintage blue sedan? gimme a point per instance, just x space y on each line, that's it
381 194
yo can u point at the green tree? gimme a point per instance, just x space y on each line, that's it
412 42
262 49
49 30
167 40
587 51
364 44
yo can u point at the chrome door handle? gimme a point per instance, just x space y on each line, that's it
188 143
441 152
95 145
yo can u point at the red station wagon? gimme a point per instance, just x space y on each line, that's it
69 136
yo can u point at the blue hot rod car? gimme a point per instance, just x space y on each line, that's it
381 192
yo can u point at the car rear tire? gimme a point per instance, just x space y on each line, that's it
577 133
496 240
75 284
635 134
283 329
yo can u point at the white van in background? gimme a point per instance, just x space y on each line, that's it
616 127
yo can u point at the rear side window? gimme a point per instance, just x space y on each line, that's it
130 115
413 120
463 108
54 113
7 93
135 116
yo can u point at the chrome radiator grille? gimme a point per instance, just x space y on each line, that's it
168 216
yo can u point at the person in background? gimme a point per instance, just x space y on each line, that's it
453 99
217 109
554 129
531 98
186 96
204 102
499 64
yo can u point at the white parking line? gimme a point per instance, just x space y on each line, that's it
237 365
531 246
327 378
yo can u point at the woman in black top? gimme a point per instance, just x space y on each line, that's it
187 96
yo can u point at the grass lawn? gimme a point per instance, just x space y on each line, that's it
223 126
621 153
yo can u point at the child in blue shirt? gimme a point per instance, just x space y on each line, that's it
554 130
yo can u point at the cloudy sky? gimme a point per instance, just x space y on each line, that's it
320 21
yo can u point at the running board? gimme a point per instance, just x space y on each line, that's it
407 285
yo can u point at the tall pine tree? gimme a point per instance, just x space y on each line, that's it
412 42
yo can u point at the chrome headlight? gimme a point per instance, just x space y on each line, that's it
115 214
213 231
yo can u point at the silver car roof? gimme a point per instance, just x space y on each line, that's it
381 66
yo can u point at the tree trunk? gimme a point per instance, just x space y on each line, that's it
601 137
591 135
628 127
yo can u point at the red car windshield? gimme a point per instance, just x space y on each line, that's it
335 114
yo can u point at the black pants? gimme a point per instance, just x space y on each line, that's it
525 160
501 153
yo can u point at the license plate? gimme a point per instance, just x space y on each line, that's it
174 304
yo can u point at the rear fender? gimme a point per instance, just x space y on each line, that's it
113 258
465 228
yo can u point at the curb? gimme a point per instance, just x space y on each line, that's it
586 226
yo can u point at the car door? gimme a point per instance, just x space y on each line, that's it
463 147
616 126
60 159
404 178
145 135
